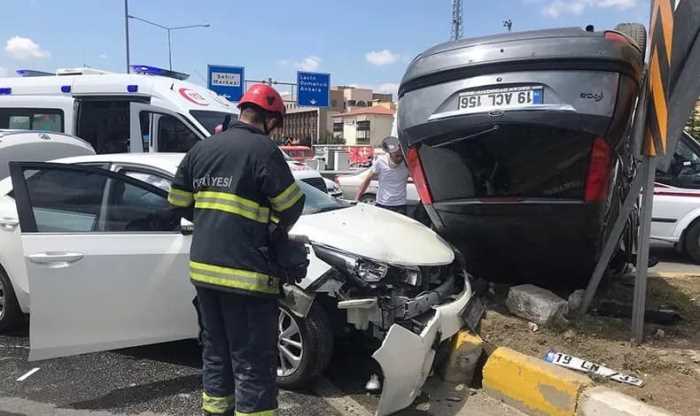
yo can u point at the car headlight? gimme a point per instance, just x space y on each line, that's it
370 271
361 270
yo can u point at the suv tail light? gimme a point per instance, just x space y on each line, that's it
598 178
615 37
418 175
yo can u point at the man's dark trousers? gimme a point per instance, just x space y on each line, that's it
239 340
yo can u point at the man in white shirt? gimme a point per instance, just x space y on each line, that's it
392 174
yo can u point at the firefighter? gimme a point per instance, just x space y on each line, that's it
240 188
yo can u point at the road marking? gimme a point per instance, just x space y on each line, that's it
344 404
28 373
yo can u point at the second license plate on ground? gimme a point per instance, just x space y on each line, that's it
500 97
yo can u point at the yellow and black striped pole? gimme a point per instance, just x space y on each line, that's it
660 53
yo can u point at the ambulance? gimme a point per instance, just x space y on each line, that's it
147 110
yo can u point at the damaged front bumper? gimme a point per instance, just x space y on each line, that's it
406 355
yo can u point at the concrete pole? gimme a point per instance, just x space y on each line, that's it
170 52
640 283
126 27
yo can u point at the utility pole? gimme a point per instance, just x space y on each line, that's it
126 27
457 30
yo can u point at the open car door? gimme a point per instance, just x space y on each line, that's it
106 260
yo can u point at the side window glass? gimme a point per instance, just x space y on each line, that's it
174 135
133 208
31 119
65 200
149 178
145 119
684 170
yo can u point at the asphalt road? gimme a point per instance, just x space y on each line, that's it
164 379
670 261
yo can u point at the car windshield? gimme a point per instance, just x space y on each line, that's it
211 119
317 201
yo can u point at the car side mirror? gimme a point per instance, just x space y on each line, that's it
186 227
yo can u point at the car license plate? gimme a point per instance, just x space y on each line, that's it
500 98
473 312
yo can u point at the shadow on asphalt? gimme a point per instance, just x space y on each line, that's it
141 393
668 254
185 353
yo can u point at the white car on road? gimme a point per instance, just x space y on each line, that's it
106 259
676 209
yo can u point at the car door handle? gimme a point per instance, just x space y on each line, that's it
8 224
55 258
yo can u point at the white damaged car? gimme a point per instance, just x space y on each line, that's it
106 260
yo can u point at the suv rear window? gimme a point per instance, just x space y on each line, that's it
508 161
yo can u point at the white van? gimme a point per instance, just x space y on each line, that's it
149 110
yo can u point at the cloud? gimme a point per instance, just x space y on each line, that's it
21 48
4 72
103 56
383 57
557 8
310 63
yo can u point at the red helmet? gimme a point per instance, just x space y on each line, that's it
265 97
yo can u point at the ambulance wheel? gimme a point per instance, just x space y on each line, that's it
637 32
10 313
692 242
305 346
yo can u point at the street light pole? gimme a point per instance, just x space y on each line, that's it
126 27
168 29
170 52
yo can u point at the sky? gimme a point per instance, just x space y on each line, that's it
365 43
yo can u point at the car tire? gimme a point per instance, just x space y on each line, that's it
315 335
10 313
692 242
637 32
369 199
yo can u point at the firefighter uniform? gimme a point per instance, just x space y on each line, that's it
236 182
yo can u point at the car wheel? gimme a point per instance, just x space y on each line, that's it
305 346
692 242
636 31
10 313
369 199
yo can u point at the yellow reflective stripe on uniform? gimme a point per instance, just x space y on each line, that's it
217 405
286 198
263 413
233 278
232 204
179 198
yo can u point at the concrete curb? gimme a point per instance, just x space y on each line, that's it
533 385
601 401
539 388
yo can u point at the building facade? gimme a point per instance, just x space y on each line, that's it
363 126
312 125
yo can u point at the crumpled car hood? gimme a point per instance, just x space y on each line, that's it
376 234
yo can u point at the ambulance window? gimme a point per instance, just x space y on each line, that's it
211 119
174 135
145 122
31 119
